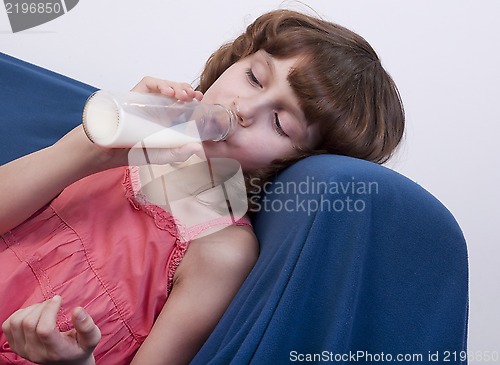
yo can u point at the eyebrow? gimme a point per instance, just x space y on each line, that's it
270 63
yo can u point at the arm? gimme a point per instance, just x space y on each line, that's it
30 182
207 279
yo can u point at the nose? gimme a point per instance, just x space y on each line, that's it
248 109
239 117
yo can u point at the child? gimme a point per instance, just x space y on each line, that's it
298 85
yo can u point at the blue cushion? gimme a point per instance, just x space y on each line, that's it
376 264
38 107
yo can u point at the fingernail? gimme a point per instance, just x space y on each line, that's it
56 298
81 315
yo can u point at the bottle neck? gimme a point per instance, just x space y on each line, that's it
230 125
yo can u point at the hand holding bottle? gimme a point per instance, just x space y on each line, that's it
170 119
181 92
177 90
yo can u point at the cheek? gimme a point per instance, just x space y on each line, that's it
221 90
210 96
259 155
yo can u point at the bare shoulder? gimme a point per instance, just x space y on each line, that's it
232 250
207 279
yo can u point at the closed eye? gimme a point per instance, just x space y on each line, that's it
251 77
277 126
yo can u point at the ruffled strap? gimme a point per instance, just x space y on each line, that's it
163 220
194 231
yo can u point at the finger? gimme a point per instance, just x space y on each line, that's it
181 94
46 328
169 155
198 95
167 91
88 334
184 91
39 325
179 90
190 149
164 87
154 85
15 326
161 156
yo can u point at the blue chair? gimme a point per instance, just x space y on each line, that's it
357 263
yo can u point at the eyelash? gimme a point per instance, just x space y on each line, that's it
276 123
252 79
277 126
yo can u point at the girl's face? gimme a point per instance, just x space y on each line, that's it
270 123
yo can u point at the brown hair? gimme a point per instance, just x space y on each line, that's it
340 83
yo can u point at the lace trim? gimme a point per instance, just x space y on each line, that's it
166 221
162 219
198 229
173 263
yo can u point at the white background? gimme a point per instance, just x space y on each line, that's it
444 55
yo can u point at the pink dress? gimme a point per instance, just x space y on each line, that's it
101 248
